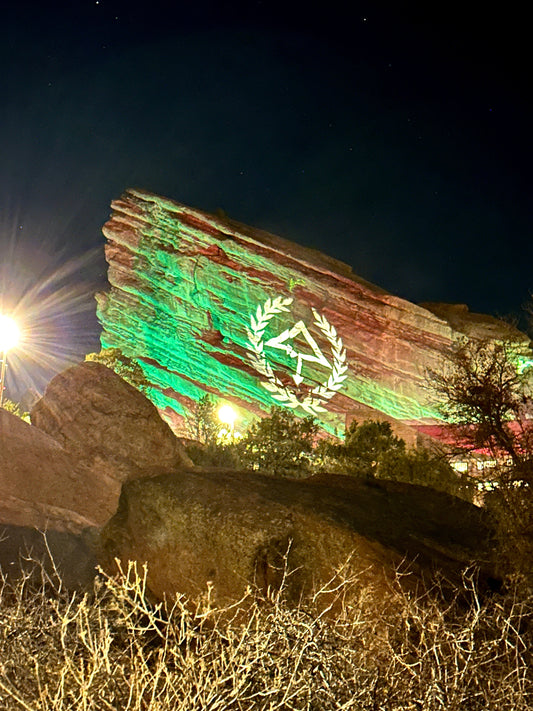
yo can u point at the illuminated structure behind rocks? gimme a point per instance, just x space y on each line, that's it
207 305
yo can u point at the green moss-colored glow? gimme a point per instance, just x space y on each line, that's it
184 313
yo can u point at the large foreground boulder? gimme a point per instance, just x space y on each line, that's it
234 529
107 424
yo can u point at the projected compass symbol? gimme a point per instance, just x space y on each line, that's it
283 343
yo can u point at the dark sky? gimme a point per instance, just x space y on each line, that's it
396 140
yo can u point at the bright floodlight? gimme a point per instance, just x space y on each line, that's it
9 333
9 336
227 415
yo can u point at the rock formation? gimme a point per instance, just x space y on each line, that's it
49 503
107 424
234 529
42 485
90 432
103 440
62 475
209 305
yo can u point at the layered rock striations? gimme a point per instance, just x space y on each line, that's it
207 305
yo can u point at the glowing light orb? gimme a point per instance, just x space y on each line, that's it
9 333
227 415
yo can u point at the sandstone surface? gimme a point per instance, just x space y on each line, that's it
61 477
234 529
42 485
206 304
106 424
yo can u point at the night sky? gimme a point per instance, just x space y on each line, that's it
398 141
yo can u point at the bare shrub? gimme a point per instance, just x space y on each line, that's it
114 649
486 390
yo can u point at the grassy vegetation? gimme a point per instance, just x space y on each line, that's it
343 648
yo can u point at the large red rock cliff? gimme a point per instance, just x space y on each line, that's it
207 305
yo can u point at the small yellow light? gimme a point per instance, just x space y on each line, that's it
227 415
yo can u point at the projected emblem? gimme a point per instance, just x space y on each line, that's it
301 347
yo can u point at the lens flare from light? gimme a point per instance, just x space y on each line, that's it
54 309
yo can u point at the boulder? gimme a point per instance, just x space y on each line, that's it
42 485
60 478
234 529
107 425
208 305
90 432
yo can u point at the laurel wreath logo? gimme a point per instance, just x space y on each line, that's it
313 403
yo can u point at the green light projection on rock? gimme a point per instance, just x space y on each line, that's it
194 298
